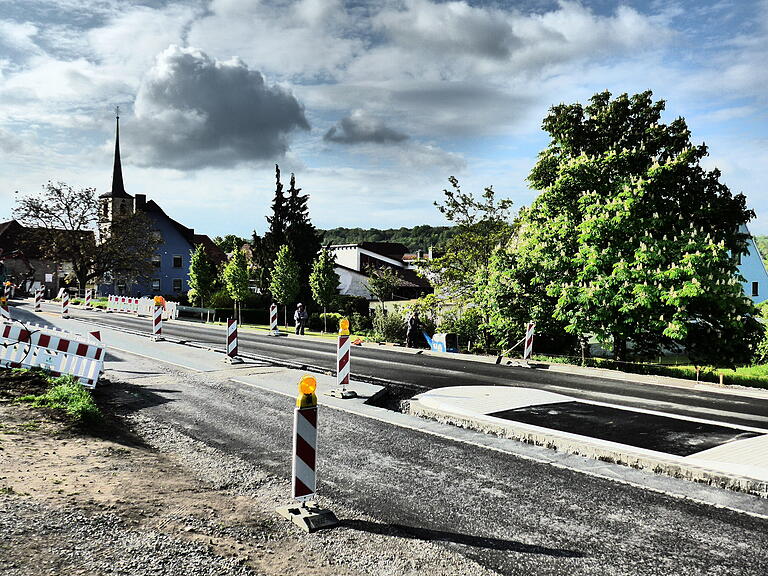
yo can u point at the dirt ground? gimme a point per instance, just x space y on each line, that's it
105 501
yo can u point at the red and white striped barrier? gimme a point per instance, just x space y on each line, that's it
39 299
232 356
61 293
65 305
88 299
273 319
304 483
59 352
528 341
303 474
342 361
157 324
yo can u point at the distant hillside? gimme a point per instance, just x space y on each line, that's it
762 246
416 238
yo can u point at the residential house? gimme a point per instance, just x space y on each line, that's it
353 262
23 262
752 268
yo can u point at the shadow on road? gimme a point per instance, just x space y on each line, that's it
456 538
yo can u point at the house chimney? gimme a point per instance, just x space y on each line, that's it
141 201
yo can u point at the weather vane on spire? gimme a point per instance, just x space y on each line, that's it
117 111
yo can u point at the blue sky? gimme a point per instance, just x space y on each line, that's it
372 104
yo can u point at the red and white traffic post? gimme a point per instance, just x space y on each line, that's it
528 350
232 356
273 320
39 299
343 368
65 304
304 477
157 323
88 299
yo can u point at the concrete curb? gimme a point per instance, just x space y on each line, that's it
669 466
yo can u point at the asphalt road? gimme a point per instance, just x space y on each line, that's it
512 515
423 372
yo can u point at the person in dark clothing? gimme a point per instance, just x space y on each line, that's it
300 318
413 329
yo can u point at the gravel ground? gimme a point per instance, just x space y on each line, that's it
153 501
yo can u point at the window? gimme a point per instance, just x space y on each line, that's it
177 284
177 261
156 285
156 261
755 289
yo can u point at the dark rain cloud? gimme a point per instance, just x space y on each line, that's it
358 128
192 111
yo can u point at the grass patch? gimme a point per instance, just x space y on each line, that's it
68 397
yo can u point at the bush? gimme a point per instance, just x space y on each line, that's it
389 327
67 395
349 305
465 323
360 323
219 299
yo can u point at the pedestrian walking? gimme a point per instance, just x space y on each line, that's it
413 328
300 318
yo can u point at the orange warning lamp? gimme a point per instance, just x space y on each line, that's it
308 384
159 301
343 327
307 387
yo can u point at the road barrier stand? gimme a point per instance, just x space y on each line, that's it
65 304
88 299
342 363
157 319
528 350
232 356
273 329
57 351
39 300
307 515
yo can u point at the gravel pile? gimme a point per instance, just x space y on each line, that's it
73 543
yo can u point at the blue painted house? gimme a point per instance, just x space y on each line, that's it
170 271
752 268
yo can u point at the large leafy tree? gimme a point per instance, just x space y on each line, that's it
63 225
202 274
284 282
323 280
631 239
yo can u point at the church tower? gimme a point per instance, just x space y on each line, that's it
117 202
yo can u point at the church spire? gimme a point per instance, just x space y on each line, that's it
118 189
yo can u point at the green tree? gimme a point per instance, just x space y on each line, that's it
230 242
631 239
481 224
284 283
63 226
301 236
202 274
236 281
382 283
324 281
